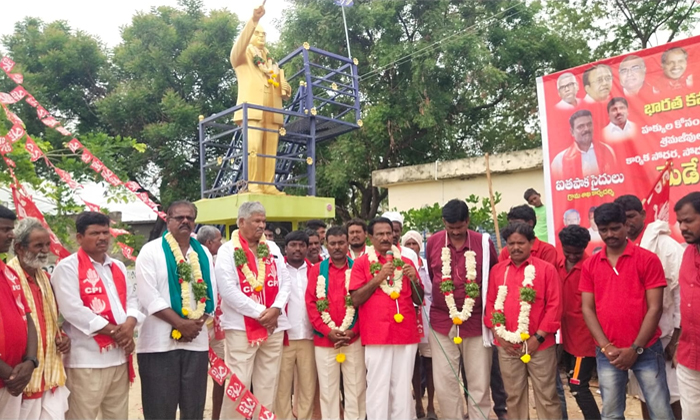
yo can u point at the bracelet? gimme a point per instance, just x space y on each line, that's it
602 349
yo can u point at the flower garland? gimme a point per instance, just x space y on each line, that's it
322 304
527 297
447 287
392 287
190 281
241 261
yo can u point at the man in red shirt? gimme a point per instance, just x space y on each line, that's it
579 347
688 356
384 288
445 253
622 300
336 340
46 392
542 250
523 310
18 342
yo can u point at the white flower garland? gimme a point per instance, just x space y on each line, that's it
522 333
258 282
349 309
392 290
186 286
458 317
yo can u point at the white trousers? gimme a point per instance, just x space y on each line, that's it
389 374
689 387
354 381
51 406
9 406
448 388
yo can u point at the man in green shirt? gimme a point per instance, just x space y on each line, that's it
534 199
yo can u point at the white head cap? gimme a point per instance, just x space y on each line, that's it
394 216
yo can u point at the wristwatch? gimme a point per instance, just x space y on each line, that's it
638 349
34 361
539 338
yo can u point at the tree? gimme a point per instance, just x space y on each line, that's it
429 218
440 80
620 26
172 66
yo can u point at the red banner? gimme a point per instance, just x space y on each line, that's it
609 127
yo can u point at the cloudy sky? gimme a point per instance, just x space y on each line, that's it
104 19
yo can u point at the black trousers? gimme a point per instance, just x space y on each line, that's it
171 379
579 371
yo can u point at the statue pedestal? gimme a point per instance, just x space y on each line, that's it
278 208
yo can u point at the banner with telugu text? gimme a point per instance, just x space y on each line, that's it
609 128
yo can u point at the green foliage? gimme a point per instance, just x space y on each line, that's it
429 218
527 294
239 257
322 305
447 286
471 289
497 318
375 267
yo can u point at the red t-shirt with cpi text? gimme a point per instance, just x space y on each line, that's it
12 323
336 303
541 250
439 314
376 316
576 337
689 281
620 292
545 311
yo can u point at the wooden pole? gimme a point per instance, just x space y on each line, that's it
493 204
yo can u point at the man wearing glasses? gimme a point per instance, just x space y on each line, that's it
567 86
597 82
632 74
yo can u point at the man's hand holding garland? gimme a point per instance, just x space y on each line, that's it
506 345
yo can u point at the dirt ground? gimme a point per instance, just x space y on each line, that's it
633 410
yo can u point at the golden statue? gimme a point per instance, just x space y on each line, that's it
260 82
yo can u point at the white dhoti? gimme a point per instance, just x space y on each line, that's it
689 385
51 406
389 374
257 364
354 381
9 406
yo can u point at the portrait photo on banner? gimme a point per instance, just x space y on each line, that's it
610 127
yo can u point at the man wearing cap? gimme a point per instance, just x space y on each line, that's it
397 229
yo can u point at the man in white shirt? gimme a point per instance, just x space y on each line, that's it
597 82
620 128
173 343
253 317
100 310
656 237
299 354
567 87
357 238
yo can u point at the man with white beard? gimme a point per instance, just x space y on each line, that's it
46 396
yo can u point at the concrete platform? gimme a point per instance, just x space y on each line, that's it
279 208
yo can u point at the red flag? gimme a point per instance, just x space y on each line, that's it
212 356
657 203
15 133
266 414
235 387
41 112
6 98
127 251
18 93
5 146
31 101
50 121
92 207
132 186
96 165
86 157
247 405
116 232
18 78
35 152
219 371
7 64
74 145
26 207
63 131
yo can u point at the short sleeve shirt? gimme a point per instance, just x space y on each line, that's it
689 281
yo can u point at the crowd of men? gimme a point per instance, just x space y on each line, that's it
335 327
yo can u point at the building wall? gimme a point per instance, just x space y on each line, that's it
511 186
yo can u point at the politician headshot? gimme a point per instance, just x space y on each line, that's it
620 128
586 155
567 86
674 63
632 73
572 217
597 82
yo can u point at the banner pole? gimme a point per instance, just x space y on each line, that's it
347 38
493 203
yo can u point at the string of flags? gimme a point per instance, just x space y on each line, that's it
236 389
25 205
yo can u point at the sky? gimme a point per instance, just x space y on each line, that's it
104 19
